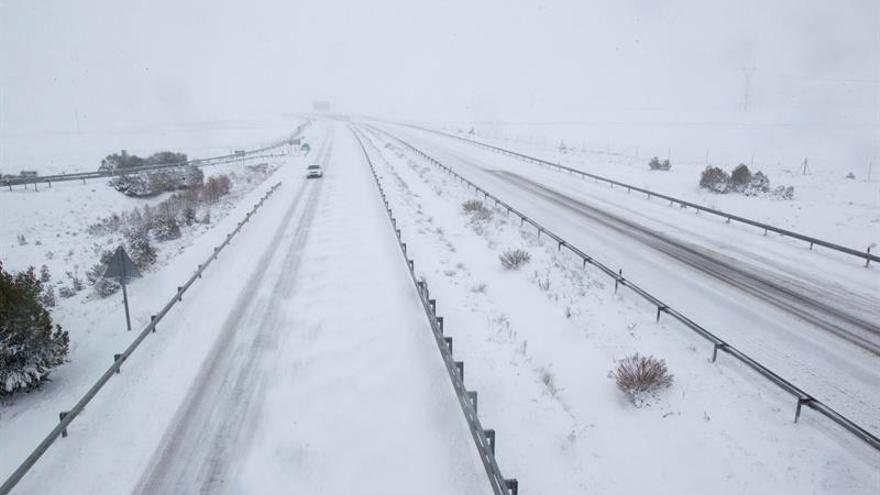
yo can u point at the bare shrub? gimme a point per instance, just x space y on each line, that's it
476 209
637 376
656 164
513 259
45 276
480 288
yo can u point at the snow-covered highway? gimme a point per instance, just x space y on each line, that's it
317 371
754 291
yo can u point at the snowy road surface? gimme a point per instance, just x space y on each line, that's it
321 375
779 326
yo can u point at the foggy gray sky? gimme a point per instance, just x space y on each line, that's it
109 64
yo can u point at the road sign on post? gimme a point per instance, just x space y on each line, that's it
122 268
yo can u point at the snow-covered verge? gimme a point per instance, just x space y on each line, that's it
58 218
543 341
826 204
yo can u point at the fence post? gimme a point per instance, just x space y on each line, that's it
61 416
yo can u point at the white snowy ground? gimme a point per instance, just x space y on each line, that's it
540 343
82 151
829 367
300 361
826 204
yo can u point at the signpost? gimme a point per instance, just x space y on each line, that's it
121 267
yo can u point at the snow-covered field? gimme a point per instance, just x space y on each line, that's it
826 204
69 152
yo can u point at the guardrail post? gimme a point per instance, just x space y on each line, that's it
868 260
459 365
472 395
800 404
411 265
660 309
61 416
440 324
490 437
512 486
433 304
448 343
617 279
718 345
116 358
199 271
153 322
179 294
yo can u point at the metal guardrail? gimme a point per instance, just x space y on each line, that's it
199 162
866 255
467 399
803 398
67 417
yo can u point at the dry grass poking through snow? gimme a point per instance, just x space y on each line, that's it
513 259
638 376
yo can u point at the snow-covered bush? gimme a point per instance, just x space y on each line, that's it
166 228
512 259
140 248
740 178
30 344
783 192
758 185
103 287
148 184
715 179
638 376
656 164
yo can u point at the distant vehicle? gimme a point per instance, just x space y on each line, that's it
314 172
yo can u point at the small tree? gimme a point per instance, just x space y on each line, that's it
166 228
715 179
740 177
140 248
30 345
45 276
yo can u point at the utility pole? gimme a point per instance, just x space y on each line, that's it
748 72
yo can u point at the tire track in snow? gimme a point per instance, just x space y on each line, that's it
195 454
819 308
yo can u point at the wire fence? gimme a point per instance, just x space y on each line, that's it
484 439
67 417
866 255
718 344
